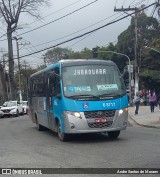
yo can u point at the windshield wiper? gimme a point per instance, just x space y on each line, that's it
84 96
110 95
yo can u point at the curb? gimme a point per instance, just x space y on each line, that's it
142 125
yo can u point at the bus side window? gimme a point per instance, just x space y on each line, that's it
57 88
51 84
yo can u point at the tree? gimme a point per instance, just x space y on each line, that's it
53 55
10 11
148 35
148 28
26 70
83 54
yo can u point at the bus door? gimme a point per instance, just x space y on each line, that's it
49 100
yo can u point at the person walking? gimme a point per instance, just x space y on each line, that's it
136 101
152 99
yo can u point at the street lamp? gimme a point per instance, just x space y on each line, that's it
108 51
152 49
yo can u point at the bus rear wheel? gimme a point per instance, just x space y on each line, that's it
113 134
62 136
39 126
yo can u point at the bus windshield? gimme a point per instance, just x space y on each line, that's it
92 80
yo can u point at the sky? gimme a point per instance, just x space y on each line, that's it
68 19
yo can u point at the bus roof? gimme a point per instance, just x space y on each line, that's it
73 62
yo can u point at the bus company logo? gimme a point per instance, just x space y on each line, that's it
85 105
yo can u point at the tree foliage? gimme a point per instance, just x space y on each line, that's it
10 11
148 60
53 55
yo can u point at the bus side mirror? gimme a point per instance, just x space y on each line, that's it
59 96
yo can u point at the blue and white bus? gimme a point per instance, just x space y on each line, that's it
79 96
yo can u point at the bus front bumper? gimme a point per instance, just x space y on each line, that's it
81 124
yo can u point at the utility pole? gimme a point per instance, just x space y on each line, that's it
136 83
17 44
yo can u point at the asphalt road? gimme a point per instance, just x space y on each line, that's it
22 146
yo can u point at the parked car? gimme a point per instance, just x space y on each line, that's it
25 106
11 108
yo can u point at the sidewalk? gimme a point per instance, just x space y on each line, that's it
145 117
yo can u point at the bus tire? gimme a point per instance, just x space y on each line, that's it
113 134
39 126
61 136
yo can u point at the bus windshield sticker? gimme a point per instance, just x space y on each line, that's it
107 87
79 89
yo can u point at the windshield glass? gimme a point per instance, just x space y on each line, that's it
92 80
9 104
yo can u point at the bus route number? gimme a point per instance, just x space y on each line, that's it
109 104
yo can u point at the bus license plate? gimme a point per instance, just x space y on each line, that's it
101 120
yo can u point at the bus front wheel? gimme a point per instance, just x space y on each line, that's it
62 136
113 134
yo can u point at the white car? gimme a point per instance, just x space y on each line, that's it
11 108
25 106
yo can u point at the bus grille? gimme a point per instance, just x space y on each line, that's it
99 114
100 125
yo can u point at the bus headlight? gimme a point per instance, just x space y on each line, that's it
76 114
121 111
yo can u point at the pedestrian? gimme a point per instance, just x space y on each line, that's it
136 101
152 99
158 100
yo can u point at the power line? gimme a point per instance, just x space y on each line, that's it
96 29
80 40
132 2
76 31
58 18
82 28
56 11
90 34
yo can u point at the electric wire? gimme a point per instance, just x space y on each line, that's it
56 11
76 31
54 20
82 28
58 18
132 2
96 29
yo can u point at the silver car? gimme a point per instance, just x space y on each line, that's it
11 108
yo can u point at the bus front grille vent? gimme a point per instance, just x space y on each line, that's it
100 125
99 114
